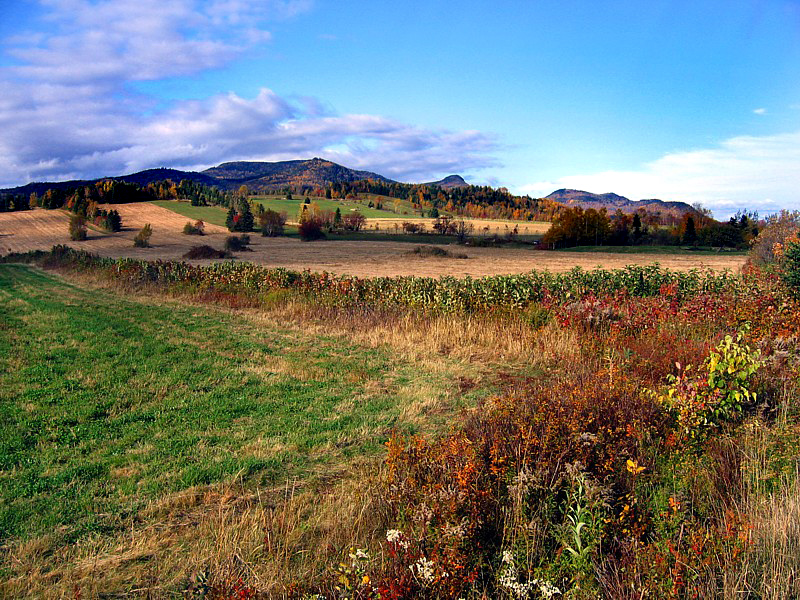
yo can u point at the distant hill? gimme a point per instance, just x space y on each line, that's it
316 172
258 176
449 182
613 202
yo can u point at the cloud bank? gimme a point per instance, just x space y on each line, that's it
757 173
68 110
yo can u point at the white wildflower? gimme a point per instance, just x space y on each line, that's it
509 579
548 590
423 569
394 536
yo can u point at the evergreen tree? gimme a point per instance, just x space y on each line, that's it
246 219
791 267
230 220
337 218
637 227
690 235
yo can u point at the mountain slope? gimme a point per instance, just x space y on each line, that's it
316 172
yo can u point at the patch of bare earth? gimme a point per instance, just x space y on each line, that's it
41 229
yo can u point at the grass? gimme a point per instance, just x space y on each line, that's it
655 250
110 402
215 215
292 207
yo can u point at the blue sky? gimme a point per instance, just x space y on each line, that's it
693 101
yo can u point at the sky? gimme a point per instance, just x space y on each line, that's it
695 101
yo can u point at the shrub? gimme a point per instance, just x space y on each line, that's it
237 243
271 223
198 228
310 229
77 228
142 239
435 251
205 251
464 230
702 400
773 236
108 220
353 221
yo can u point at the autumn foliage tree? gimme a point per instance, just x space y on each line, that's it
271 223
578 227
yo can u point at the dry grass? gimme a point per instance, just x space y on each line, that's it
481 226
771 567
270 539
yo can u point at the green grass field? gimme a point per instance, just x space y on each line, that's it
108 402
292 207
215 215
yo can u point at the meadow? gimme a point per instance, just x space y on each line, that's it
235 431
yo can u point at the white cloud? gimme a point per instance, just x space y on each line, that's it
67 112
753 172
760 111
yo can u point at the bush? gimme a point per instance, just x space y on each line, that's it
198 228
310 229
108 220
435 251
773 237
272 223
237 243
142 239
353 221
77 228
205 251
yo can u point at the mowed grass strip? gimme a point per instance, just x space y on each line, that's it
107 402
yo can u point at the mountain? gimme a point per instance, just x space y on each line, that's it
449 182
258 176
316 172
614 202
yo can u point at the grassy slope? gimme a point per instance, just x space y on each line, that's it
107 402
292 207
215 215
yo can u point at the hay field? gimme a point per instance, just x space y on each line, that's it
482 226
40 229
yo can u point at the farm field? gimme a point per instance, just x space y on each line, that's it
40 230
118 411
379 220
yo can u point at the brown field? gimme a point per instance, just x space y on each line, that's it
41 229
482 226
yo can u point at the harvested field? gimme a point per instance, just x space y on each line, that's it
482 226
41 229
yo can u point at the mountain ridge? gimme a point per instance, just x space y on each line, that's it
613 202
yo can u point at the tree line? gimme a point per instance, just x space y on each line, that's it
590 227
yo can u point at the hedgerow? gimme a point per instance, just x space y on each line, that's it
448 294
